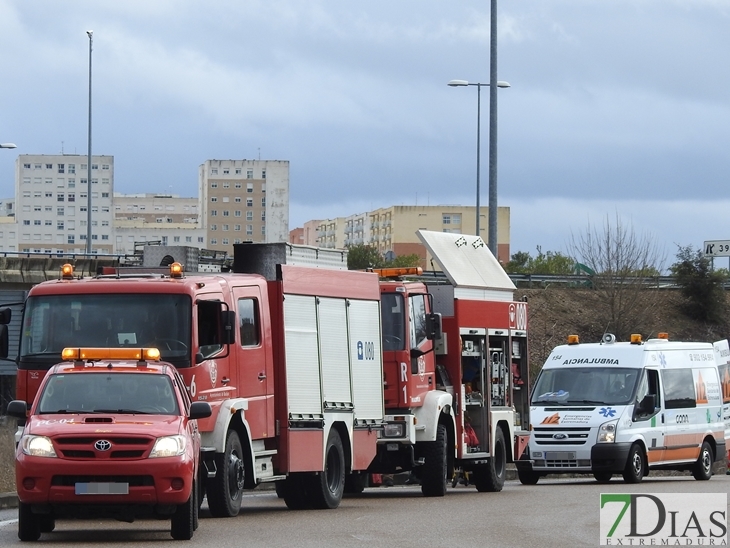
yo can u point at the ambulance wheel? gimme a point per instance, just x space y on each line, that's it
490 477
327 487
602 477
703 467
294 492
29 524
528 477
225 490
182 524
634 471
434 471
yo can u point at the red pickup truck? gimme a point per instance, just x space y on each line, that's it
111 434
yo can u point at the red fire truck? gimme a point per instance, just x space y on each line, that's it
290 363
455 394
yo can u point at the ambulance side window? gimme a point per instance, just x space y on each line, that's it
649 385
679 388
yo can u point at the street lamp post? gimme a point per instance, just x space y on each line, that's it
479 85
90 34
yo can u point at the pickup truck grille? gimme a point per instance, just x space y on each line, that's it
120 447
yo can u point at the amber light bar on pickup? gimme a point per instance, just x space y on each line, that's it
90 354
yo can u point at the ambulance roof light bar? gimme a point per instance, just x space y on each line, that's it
398 272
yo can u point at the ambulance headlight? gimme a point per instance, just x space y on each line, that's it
607 432
394 430
37 446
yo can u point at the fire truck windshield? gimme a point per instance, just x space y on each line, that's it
53 322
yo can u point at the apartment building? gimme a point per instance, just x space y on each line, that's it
394 228
244 201
51 204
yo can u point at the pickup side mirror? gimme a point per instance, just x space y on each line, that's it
5 315
433 326
228 323
4 340
17 409
200 410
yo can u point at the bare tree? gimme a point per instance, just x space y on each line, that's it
623 262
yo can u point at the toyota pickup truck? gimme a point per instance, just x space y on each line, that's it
112 433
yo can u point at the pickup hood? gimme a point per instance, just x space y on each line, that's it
98 424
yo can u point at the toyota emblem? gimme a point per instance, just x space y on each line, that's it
103 445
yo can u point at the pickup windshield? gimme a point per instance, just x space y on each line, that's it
119 393
585 386
53 322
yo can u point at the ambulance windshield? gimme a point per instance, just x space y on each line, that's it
588 385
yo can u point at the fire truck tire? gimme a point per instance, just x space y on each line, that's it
490 477
182 524
28 523
634 470
225 490
702 469
434 471
294 492
326 488
356 482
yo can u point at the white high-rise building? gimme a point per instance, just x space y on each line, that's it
51 203
244 201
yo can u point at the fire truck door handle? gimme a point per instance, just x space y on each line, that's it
225 380
262 376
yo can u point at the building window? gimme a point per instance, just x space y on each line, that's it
72 168
237 228
60 197
456 219
59 211
213 185
238 171
189 239
263 216
72 197
225 171
59 225
214 227
214 198
224 241
249 202
105 166
249 215
26 222
94 166
201 240
263 202
71 239
225 213
263 174
446 219
72 183
249 230
225 228
176 239
37 222
26 166
249 174
48 222
214 171
238 185
49 166
213 241
61 168
237 213
213 212
249 187
263 187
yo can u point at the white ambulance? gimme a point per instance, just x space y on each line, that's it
625 408
722 357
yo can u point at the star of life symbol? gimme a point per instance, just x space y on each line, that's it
662 359
606 411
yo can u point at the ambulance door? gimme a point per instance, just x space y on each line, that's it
648 419
680 412
253 364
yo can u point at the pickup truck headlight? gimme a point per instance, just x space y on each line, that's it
37 446
607 432
169 446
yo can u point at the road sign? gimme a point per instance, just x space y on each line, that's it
717 248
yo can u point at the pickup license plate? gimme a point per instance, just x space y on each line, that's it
560 455
100 488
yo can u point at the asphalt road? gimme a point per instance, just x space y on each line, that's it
555 513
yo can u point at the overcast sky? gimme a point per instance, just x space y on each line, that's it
617 107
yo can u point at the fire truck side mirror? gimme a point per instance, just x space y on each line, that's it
433 326
5 315
4 341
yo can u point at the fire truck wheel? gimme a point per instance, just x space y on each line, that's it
356 482
703 467
225 490
294 492
490 477
28 523
327 487
634 471
182 524
434 471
